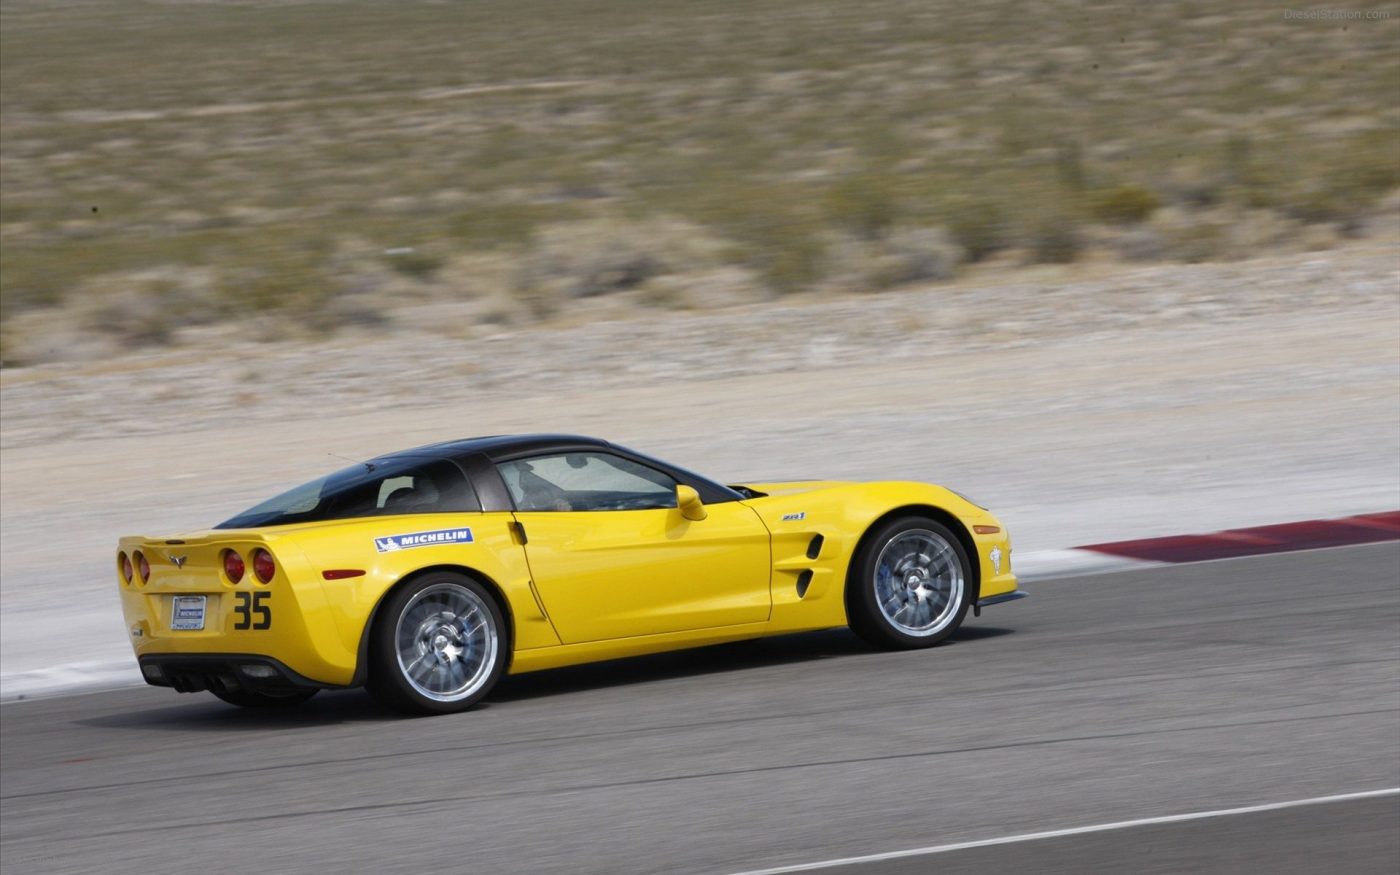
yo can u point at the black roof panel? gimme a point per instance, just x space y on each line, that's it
496 446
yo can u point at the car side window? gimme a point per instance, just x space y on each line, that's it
586 481
434 487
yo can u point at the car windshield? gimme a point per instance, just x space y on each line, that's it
398 486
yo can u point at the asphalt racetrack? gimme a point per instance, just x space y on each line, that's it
1165 691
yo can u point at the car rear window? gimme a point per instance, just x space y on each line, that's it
400 486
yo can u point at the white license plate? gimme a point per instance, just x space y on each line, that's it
187 613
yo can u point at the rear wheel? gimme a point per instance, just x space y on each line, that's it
911 584
438 646
245 698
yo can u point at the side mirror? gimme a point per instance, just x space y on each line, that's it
689 503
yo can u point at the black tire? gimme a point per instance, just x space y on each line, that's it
245 698
932 598
426 636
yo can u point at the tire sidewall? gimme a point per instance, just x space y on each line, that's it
386 679
865 616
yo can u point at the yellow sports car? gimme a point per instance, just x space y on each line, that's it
426 574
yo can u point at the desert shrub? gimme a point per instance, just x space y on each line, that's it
1140 243
1069 165
132 315
664 293
725 286
597 257
1251 232
414 263
1190 235
582 259
1123 204
112 313
1318 202
787 252
145 308
496 225
914 255
1338 184
774 231
276 288
1367 166
1200 242
865 204
1195 185
538 302
902 257
1054 240
922 255
476 275
979 227
346 308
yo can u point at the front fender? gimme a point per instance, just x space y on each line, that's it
809 590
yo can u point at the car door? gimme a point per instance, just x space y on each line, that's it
612 557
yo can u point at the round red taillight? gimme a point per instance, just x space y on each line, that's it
263 566
142 565
233 566
124 562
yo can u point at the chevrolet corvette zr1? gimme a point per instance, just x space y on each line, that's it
426 574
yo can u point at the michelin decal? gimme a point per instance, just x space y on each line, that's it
392 543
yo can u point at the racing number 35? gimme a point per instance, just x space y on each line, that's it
250 605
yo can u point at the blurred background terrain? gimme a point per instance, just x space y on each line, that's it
188 174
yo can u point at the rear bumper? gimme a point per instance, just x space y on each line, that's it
193 672
301 637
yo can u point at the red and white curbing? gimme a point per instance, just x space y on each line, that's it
1229 544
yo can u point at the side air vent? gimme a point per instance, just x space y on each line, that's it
814 549
804 580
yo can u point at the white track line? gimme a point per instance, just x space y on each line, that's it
1072 831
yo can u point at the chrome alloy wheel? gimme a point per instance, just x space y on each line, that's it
447 642
918 582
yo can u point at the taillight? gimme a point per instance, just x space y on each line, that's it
263 566
233 566
124 562
142 565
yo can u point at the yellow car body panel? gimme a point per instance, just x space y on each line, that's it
576 587
630 573
317 625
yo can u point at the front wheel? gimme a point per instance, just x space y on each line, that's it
438 646
910 584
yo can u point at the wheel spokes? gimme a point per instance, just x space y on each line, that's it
918 582
446 641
